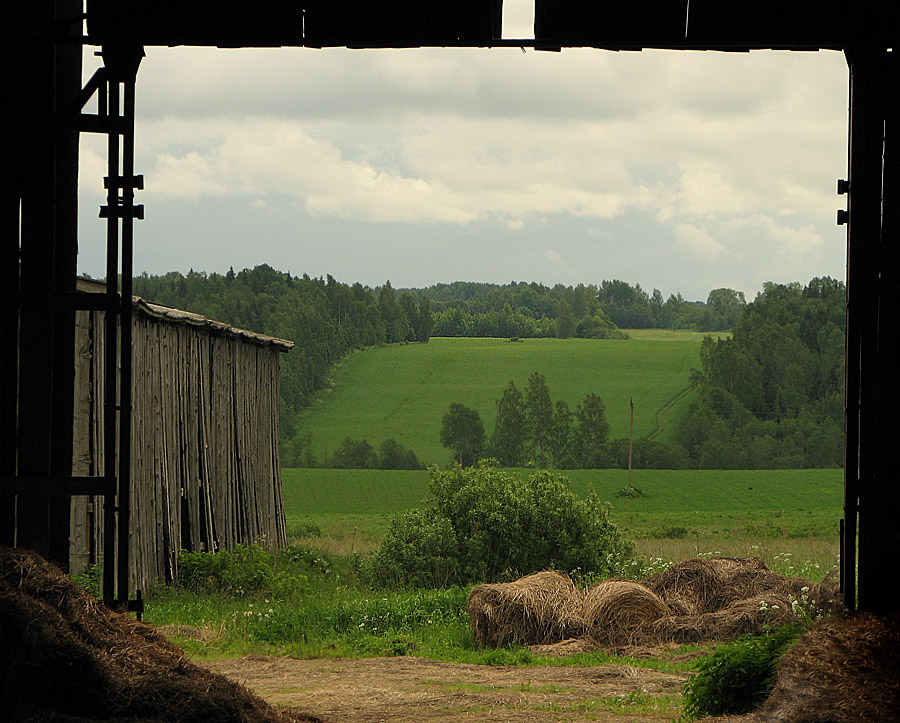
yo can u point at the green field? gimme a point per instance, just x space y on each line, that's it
402 391
787 517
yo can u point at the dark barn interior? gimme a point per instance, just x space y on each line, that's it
46 108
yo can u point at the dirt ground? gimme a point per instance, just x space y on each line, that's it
407 689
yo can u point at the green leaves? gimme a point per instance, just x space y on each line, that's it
463 431
487 524
738 676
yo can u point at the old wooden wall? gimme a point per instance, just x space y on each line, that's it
205 463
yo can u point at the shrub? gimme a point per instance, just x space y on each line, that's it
738 676
629 491
485 524
245 570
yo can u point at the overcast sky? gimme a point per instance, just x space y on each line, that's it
676 170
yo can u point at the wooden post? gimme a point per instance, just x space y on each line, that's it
871 538
630 440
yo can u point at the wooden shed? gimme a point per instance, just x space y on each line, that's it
205 472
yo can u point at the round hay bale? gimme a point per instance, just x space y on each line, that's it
614 610
693 586
538 609
743 578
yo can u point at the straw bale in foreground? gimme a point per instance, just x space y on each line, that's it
844 670
65 656
538 609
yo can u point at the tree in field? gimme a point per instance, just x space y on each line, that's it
393 455
510 430
592 432
539 417
565 320
354 454
463 431
562 437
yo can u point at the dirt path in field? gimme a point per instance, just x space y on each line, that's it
408 689
661 414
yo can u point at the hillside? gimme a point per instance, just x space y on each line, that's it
402 392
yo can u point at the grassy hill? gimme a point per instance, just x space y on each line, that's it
402 392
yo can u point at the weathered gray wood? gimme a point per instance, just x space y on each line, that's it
205 471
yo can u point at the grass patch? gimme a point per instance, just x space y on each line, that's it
789 518
402 391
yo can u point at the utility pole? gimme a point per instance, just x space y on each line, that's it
630 440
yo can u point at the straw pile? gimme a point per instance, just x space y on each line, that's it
615 611
539 609
844 670
696 601
65 656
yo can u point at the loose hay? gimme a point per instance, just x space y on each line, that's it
616 610
65 656
539 609
844 670
570 646
699 600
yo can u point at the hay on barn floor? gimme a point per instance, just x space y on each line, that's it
539 609
65 656
844 670
616 610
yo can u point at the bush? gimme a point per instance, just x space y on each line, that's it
629 491
738 676
485 524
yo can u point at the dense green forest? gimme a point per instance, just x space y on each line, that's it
772 395
533 310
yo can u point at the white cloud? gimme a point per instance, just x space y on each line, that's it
696 241
681 155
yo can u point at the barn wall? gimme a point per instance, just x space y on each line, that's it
205 460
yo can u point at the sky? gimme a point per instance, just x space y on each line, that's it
683 171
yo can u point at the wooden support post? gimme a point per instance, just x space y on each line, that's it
871 537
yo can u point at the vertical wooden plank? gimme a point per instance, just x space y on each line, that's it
79 544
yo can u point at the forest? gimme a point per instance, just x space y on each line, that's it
588 311
770 395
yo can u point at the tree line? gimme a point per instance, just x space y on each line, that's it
532 431
590 311
772 395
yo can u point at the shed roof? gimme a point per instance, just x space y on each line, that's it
178 316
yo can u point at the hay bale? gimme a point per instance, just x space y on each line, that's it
707 585
752 616
615 610
65 656
538 609
692 586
